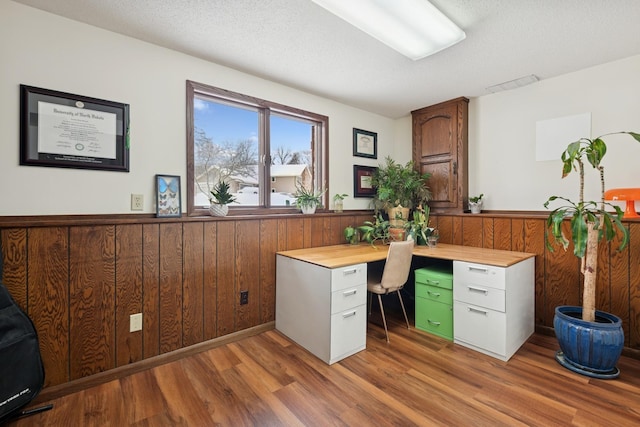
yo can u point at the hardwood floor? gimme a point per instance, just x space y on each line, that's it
417 379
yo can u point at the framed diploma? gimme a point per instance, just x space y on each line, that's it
362 181
71 131
365 143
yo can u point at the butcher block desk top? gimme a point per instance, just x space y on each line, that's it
343 255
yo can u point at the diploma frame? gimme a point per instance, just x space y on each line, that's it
73 142
360 176
365 143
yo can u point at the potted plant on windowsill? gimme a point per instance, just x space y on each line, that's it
220 199
590 341
475 204
338 202
399 189
308 199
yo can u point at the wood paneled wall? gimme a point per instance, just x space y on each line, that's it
79 281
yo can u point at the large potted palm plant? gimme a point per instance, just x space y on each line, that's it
591 341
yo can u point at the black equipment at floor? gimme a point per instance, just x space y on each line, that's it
21 369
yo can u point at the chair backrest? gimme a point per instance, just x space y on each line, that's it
398 265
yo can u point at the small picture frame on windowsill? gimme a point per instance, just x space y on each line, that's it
168 199
365 144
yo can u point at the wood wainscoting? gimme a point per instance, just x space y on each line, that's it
80 278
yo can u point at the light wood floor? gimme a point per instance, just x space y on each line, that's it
417 379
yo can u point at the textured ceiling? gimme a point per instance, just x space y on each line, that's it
300 44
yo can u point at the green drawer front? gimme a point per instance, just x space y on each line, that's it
434 317
435 276
434 293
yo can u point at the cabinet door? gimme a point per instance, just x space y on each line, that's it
440 149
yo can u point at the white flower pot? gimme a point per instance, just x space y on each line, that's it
218 210
475 207
310 209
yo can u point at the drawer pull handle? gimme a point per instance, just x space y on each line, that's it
349 293
346 315
433 322
434 282
350 271
433 294
475 310
474 289
479 269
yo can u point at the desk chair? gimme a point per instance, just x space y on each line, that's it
394 276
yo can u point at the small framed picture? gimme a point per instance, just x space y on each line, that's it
168 200
365 143
362 181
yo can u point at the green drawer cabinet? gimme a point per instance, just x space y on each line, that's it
434 301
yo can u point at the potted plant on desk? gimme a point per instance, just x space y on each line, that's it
399 188
591 341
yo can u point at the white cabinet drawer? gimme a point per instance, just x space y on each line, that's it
349 276
478 274
348 298
480 327
348 332
480 295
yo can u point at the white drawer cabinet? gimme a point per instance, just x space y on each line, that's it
322 309
493 307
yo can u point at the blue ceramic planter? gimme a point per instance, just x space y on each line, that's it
589 348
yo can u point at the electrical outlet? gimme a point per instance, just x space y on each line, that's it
244 297
135 322
136 202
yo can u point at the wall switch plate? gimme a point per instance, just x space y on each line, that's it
244 297
135 322
136 202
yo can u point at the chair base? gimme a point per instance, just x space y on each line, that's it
384 318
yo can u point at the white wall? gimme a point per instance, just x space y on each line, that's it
502 136
44 50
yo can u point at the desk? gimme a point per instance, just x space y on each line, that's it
321 297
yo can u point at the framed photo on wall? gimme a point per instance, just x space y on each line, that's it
362 181
365 143
168 200
72 131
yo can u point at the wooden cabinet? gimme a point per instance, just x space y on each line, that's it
440 148
322 309
493 307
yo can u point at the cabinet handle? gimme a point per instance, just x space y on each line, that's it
433 322
475 310
435 294
353 313
474 289
479 269
349 293
455 168
434 282
350 271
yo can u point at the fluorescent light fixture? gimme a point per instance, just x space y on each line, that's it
513 84
415 28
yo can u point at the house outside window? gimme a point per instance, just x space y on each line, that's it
261 149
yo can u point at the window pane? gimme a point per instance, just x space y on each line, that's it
226 147
291 157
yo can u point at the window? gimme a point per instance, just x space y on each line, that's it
263 150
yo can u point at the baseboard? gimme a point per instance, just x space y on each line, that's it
54 392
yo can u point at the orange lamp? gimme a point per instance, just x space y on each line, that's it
630 195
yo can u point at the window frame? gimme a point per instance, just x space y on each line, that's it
320 151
